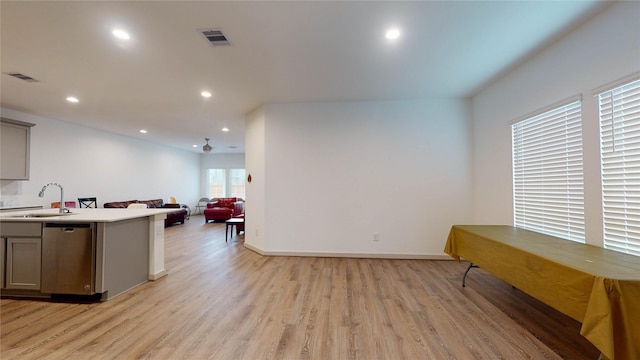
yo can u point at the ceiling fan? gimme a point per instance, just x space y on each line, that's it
206 147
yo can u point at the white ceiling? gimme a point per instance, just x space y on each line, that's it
280 52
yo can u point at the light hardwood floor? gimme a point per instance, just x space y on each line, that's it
222 301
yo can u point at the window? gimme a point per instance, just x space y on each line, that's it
236 178
226 183
619 112
548 185
216 181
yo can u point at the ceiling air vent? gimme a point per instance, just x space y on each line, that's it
22 77
215 37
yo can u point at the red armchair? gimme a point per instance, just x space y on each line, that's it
223 209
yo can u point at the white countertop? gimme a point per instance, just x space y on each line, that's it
5 208
82 215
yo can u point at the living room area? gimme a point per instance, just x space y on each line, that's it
119 168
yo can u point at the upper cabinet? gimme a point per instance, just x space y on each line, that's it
14 149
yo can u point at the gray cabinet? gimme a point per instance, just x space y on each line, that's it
15 143
23 263
21 247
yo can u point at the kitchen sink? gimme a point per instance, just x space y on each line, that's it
41 215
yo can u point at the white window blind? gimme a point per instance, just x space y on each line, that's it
226 183
619 111
548 185
236 179
216 183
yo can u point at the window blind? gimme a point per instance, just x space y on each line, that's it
619 112
548 185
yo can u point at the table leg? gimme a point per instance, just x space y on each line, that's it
464 277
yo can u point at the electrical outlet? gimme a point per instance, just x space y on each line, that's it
376 237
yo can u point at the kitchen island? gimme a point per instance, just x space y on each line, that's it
125 249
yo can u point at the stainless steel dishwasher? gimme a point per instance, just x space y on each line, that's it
68 259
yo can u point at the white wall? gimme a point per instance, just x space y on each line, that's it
338 173
256 193
602 50
89 162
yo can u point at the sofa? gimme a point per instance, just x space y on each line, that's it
223 209
173 217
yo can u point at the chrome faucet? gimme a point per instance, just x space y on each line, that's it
63 209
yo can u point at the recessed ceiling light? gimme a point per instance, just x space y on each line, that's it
143 131
72 99
392 34
225 129
205 94
194 145
121 34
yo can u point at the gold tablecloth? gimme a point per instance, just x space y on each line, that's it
598 287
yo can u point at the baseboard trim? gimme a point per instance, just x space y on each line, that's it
156 276
350 255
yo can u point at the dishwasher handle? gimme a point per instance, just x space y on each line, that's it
67 225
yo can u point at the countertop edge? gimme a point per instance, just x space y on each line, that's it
82 215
